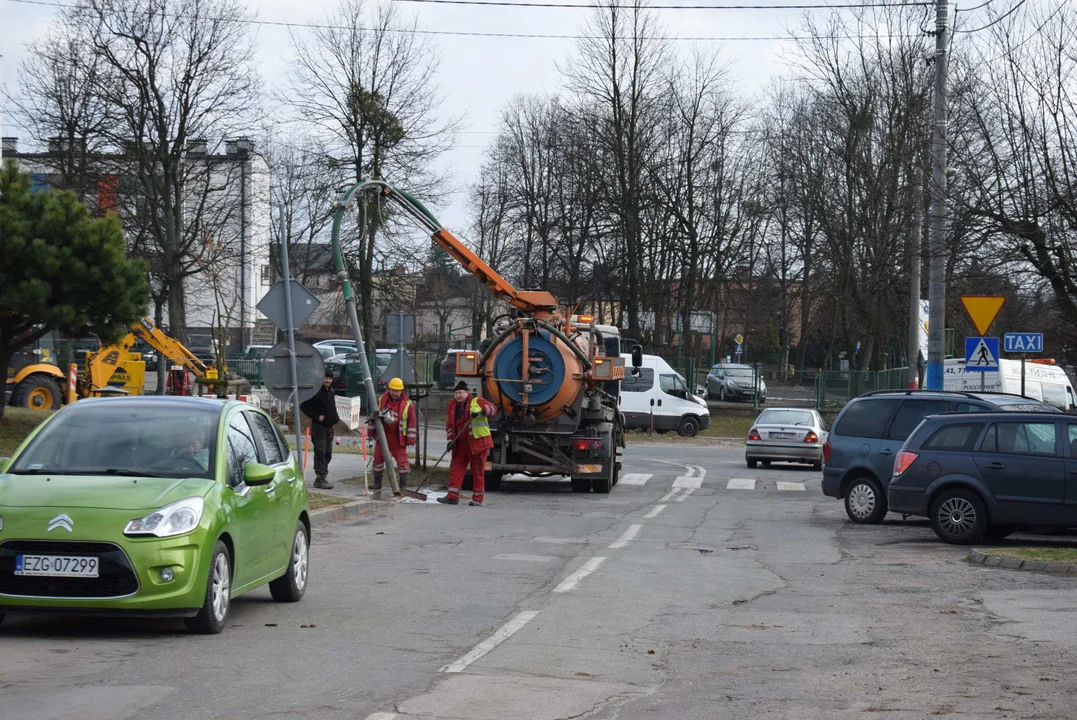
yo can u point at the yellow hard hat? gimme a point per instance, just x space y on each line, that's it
396 384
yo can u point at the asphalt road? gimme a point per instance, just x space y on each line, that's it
684 595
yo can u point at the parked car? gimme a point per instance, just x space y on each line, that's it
982 474
656 393
153 506
340 366
728 382
447 372
329 348
256 352
870 430
786 435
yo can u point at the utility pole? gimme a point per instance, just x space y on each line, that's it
915 248
939 212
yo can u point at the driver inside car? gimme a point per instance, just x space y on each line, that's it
190 445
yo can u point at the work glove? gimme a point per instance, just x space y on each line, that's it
449 443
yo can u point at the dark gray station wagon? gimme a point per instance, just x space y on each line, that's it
869 431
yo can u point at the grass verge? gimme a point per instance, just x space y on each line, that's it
722 427
319 501
16 425
1055 555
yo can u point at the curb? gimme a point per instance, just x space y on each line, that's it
978 557
345 511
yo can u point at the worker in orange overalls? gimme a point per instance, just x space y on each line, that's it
401 430
467 425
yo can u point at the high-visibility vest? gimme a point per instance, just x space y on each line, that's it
480 424
405 431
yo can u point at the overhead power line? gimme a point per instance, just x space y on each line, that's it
994 22
526 36
577 6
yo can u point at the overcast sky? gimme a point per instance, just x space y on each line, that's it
478 75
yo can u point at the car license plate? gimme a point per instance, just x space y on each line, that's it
782 436
56 566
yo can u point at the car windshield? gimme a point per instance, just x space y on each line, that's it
115 437
785 417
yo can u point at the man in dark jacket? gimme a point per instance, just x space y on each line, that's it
322 411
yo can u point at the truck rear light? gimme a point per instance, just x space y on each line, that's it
826 451
754 435
903 460
811 437
584 445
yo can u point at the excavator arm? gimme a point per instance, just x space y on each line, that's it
168 347
102 365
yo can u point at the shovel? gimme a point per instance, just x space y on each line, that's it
422 496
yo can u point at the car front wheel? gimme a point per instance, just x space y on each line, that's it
290 586
213 615
689 426
959 516
865 503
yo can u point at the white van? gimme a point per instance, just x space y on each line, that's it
1048 383
659 392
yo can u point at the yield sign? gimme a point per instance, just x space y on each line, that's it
982 309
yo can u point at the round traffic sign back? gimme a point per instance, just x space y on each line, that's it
309 370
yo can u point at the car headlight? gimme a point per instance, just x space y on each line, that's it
175 519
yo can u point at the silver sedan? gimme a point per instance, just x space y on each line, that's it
787 435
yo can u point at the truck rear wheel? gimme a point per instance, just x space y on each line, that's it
37 392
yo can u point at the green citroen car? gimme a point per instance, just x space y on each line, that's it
159 506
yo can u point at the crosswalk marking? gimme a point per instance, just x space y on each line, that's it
688 482
784 485
741 484
635 479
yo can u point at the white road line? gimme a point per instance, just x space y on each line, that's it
503 633
655 511
635 479
631 532
382 716
741 484
699 468
523 558
685 495
670 494
688 482
784 485
558 541
690 468
574 579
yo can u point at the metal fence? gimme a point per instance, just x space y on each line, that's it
834 388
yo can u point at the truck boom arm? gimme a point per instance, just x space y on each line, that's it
532 301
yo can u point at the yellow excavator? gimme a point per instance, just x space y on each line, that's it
35 380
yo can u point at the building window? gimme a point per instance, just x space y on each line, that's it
267 275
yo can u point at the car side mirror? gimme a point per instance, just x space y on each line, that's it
637 356
258 474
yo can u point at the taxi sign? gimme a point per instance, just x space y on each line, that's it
982 309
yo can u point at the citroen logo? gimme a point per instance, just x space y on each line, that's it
61 521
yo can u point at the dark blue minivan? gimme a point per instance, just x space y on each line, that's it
870 429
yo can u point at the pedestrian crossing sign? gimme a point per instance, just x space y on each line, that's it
981 354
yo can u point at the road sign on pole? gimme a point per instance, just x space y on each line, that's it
739 339
981 354
982 309
1023 342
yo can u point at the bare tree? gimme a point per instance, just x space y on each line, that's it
369 86
59 106
172 75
